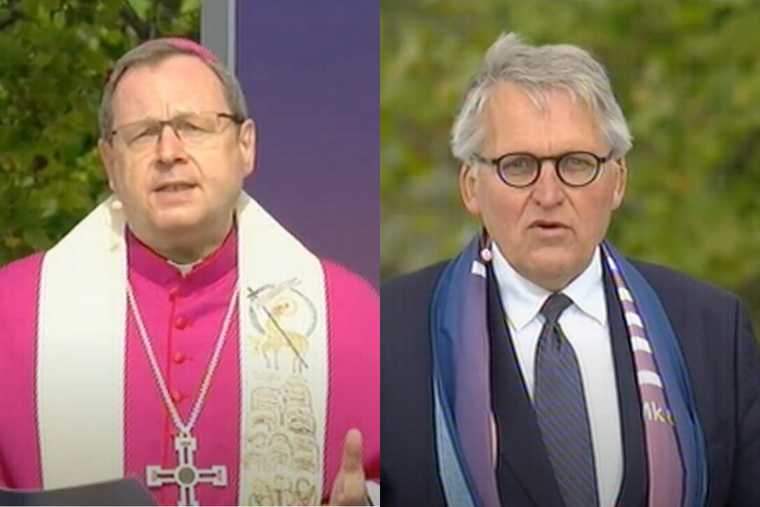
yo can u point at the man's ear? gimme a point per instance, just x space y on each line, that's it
621 184
468 180
108 158
247 143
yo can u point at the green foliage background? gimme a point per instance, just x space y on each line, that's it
54 59
687 75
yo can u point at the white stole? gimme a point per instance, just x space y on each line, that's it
81 347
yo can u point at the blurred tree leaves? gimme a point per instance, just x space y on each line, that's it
687 74
54 58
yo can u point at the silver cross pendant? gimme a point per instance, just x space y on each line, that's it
186 475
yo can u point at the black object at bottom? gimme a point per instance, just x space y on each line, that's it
120 492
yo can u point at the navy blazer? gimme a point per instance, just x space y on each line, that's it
722 358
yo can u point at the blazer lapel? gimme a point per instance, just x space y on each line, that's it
522 458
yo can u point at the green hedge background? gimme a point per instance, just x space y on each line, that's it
54 59
687 74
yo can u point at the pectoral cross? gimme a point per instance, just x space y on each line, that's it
186 475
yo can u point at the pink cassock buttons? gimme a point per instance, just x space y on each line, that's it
181 322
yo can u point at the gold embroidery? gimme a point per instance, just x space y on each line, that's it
282 492
282 448
285 325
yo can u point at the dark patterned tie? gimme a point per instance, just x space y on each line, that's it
560 406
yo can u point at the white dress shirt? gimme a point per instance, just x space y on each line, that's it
585 325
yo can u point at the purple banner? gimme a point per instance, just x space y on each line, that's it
310 72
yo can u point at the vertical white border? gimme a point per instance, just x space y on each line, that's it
219 30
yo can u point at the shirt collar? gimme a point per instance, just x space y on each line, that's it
523 298
163 272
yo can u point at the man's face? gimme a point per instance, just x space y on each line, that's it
547 231
170 184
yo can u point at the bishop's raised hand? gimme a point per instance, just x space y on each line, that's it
350 486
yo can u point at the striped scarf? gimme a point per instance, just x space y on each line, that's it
675 446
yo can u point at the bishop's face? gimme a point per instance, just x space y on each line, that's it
181 181
548 231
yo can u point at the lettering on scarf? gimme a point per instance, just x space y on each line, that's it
653 412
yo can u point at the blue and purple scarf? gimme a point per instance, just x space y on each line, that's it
675 446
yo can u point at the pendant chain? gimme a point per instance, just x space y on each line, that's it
185 429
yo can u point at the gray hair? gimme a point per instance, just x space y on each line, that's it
154 52
535 70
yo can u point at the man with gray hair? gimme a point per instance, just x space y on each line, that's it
179 334
540 367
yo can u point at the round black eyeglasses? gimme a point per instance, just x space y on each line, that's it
520 170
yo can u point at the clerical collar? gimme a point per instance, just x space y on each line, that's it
522 299
166 273
184 269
